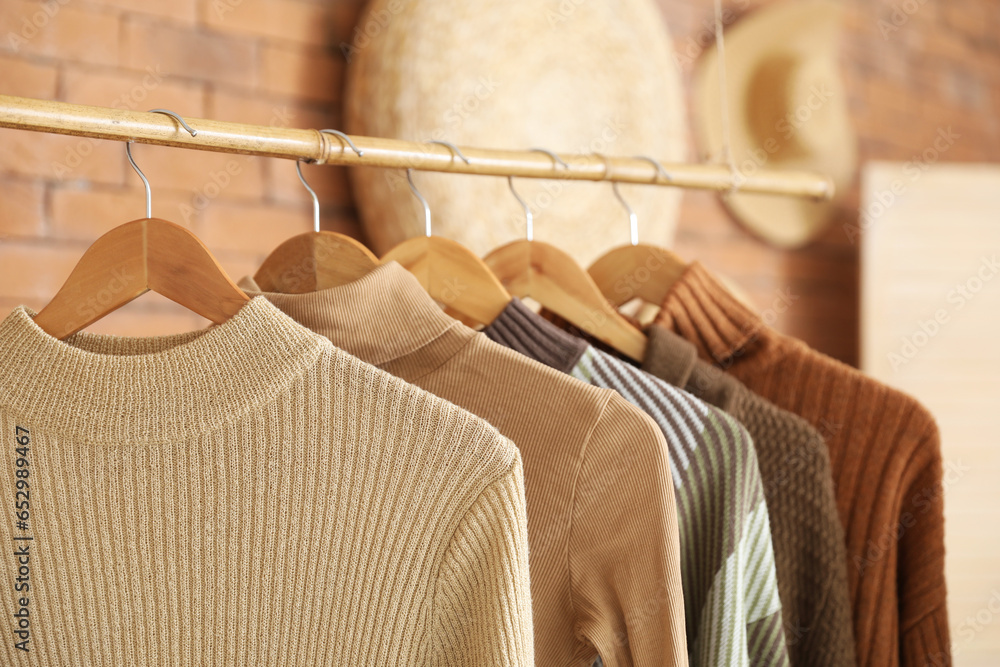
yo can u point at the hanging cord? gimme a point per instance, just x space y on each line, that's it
720 48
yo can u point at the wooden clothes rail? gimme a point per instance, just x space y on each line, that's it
225 137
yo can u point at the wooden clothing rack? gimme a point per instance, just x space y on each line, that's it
320 148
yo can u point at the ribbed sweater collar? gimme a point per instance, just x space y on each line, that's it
384 317
668 356
113 389
675 360
700 309
521 329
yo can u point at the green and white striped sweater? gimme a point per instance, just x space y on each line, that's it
727 560
732 608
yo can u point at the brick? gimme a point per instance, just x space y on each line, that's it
27 79
184 53
85 214
32 273
237 107
344 16
177 10
57 30
204 176
968 19
278 19
133 90
61 158
22 209
330 183
301 72
949 46
252 230
238 264
149 315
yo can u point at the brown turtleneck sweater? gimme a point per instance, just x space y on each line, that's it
795 469
885 456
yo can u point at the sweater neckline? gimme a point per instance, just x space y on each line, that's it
703 311
384 317
115 389
521 329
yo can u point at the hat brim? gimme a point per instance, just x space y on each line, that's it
794 30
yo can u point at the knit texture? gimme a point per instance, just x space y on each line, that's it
809 553
731 597
250 495
602 523
885 454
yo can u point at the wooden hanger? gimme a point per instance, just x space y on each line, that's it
134 258
315 260
529 268
636 270
449 271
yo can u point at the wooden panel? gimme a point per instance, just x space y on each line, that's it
930 321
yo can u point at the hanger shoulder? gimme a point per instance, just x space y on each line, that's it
453 276
463 283
414 255
511 264
181 268
111 273
314 261
131 259
554 279
641 270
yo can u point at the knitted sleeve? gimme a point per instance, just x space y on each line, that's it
482 602
923 616
631 607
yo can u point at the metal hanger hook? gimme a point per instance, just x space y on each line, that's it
659 167
191 130
131 160
454 149
633 219
145 181
555 158
347 139
528 216
312 193
427 208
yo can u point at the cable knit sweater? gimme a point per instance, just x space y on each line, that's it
885 455
798 487
249 495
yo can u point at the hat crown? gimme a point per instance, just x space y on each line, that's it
793 101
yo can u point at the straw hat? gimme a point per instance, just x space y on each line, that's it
574 76
788 110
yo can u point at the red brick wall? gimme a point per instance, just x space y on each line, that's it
277 62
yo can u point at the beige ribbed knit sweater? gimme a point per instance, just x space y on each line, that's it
602 521
249 495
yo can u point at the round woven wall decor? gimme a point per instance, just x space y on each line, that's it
573 76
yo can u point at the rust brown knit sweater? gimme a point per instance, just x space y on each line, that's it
886 460
798 488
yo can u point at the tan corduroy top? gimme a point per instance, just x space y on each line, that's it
798 487
885 455
249 495
602 523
